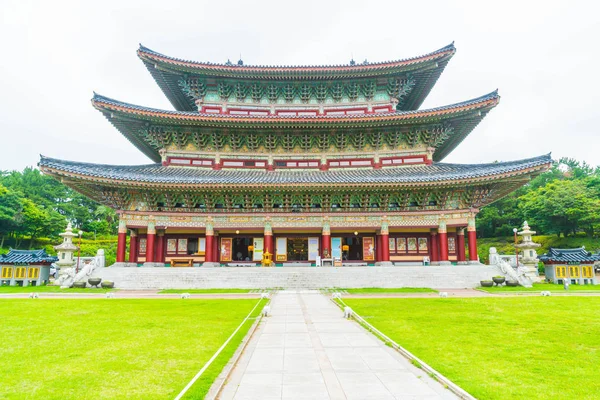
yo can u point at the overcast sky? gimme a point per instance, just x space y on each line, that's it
541 55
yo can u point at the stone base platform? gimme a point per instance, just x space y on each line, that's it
446 277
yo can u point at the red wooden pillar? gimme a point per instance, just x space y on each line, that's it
460 245
326 241
209 248
385 247
443 238
434 251
268 239
209 245
121 242
385 240
150 242
160 246
472 237
216 250
378 246
133 246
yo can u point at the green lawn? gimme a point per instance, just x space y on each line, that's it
198 291
392 290
538 287
113 349
50 289
499 348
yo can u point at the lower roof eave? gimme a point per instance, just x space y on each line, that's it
157 176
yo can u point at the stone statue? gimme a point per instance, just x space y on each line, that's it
519 274
68 275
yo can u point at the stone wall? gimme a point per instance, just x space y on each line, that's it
447 277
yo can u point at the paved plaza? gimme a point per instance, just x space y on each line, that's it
307 350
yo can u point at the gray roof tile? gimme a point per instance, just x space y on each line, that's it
579 254
27 257
156 173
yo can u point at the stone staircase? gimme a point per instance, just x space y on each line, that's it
447 277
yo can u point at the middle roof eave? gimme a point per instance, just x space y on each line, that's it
129 118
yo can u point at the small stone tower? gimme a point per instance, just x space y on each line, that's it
529 257
66 249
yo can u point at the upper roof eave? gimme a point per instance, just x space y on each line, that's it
293 72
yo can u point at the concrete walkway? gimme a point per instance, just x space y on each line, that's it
307 350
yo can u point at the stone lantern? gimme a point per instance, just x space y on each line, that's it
529 257
66 249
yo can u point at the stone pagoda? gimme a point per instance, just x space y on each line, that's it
66 249
529 257
297 161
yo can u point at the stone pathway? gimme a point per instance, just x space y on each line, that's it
307 350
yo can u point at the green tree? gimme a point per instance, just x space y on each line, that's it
40 222
10 205
562 207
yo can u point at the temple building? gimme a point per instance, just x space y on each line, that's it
337 162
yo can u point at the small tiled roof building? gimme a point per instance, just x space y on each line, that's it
575 265
25 267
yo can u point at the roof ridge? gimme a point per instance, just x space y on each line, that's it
144 49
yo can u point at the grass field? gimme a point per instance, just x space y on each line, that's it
538 287
50 289
200 291
392 290
500 348
113 349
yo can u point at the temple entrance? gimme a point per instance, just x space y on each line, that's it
352 249
242 248
297 249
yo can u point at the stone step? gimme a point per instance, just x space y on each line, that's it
450 277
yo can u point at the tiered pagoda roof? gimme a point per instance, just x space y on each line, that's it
284 139
167 72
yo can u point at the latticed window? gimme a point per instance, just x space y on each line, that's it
587 271
7 272
33 273
561 272
20 272
574 271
